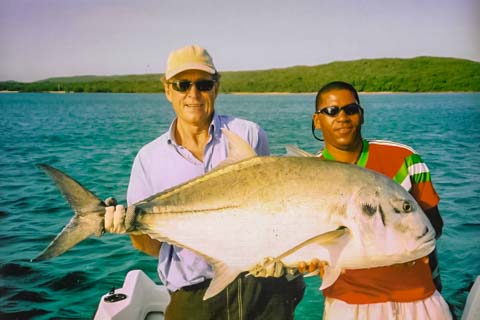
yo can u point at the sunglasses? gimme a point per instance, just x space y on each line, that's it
333 111
185 85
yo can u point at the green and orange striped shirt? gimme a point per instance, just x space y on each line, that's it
404 283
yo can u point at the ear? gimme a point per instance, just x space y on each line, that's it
217 87
168 91
316 121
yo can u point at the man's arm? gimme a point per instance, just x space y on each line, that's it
138 189
115 223
262 148
144 243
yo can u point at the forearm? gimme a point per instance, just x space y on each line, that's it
435 219
146 244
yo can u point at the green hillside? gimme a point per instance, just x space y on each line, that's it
421 74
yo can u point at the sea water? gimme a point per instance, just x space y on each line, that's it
94 138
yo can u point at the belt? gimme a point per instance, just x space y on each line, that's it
197 286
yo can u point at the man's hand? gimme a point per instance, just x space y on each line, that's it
271 267
114 217
314 265
268 268
410 264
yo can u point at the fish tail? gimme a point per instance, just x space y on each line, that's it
88 219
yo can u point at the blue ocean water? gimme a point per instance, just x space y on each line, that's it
94 137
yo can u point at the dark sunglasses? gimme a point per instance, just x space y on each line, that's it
185 85
333 111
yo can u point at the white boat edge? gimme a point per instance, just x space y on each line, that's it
472 305
147 300
144 300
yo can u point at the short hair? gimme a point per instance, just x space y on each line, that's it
336 85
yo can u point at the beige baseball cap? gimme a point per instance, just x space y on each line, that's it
191 57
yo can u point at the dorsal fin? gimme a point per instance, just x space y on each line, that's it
295 151
238 149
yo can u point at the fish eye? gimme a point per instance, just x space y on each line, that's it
402 206
407 206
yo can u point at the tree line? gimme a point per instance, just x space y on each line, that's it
420 74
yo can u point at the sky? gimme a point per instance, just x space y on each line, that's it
41 39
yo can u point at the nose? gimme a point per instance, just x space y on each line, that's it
342 116
193 91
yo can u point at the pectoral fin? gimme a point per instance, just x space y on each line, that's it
323 239
306 250
331 275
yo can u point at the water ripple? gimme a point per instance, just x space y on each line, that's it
95 137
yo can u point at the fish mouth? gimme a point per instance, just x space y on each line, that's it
425 232
427 242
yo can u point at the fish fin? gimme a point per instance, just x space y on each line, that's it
328 240
321 239
223 276
88 219
330 276
238 149
295 151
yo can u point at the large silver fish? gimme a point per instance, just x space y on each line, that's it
289 208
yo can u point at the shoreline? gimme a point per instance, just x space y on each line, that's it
314 93
359 92
239 93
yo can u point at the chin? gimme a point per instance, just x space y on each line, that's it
345 144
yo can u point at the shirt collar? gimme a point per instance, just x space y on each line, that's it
214 129
362 160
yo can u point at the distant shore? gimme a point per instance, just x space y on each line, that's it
305 93
369 76
251 93
268 93
360 92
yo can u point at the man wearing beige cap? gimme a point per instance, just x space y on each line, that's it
193 145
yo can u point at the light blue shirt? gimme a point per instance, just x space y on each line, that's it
163 163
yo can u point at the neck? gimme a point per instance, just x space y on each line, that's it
349 154
193 138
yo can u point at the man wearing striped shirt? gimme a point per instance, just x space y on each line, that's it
384 292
